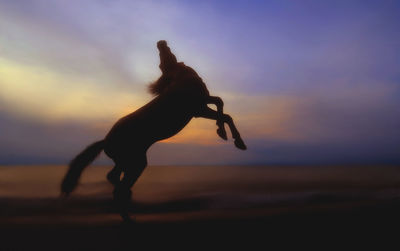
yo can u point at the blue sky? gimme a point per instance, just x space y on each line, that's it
307 82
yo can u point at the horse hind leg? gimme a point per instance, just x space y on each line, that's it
122 191
114 176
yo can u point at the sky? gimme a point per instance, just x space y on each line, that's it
307 82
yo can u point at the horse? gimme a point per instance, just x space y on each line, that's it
180 95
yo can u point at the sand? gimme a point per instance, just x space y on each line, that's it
203 207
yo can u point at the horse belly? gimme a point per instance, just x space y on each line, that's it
126 138
169 128
137 133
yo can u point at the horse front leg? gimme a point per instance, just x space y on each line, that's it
217 101
224 118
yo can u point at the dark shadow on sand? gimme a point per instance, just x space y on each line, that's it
335 226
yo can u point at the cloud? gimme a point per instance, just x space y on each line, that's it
315 82
36 92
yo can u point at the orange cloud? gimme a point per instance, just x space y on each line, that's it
199 131
35 91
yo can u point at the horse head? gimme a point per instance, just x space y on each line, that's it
168 60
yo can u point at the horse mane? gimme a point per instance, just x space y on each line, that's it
160 85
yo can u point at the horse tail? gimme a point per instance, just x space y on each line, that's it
77 165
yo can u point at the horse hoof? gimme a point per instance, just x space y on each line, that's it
222 133
240 144
126 219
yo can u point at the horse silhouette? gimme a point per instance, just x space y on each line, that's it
180 95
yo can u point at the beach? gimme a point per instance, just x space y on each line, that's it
250 205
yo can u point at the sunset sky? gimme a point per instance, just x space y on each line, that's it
307 82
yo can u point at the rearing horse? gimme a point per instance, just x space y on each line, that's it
180 95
